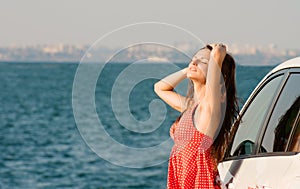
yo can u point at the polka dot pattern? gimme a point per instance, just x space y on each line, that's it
191 165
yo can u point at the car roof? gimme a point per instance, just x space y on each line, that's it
292 63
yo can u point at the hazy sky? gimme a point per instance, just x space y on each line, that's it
255 22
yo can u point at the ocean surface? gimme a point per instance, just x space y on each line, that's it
43 145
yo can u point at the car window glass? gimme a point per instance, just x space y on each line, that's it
283 117
253 118
295 142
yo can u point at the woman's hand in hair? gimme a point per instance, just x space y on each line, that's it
218 53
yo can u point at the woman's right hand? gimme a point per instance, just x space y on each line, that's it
184 71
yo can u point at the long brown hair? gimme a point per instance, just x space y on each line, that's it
225 134
232 109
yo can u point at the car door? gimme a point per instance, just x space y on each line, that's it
278 159
251 161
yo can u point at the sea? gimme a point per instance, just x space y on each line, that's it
93 126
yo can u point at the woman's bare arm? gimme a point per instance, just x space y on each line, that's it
209 115
164 89
214 79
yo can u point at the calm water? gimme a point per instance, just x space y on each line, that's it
41 146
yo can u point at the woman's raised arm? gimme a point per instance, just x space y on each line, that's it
211 114
165 90
214 78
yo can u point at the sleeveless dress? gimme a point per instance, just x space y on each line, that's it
191 165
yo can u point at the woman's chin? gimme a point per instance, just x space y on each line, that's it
196 78
192 76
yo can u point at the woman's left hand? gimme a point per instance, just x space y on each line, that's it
218 52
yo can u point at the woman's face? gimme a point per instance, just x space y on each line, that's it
197 68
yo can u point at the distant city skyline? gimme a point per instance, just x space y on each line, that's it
34 22
244 55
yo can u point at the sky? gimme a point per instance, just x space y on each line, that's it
255 22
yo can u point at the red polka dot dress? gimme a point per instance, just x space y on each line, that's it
191 165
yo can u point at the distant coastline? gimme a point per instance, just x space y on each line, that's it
244 55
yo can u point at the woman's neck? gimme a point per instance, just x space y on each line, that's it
199 92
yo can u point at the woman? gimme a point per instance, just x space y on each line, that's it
203 130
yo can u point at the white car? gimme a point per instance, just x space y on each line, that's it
264 152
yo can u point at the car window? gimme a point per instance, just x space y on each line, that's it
253 118
295 142
283 117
